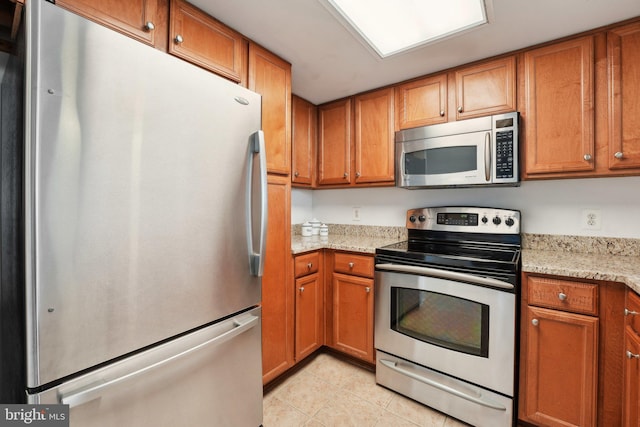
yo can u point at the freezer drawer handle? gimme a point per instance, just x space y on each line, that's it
94 391
444 274
484 402
256 258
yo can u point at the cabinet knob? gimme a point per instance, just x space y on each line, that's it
367 289
587 157
296 174
632 356
441 113
562 296
618 155
346 175
628 312
301 289
309 265
460 110
351 264
178 39
535 322
149 26
357 174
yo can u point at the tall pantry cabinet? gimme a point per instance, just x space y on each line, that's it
270 76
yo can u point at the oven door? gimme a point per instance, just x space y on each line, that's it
457 328
458 160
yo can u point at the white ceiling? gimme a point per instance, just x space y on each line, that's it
328 62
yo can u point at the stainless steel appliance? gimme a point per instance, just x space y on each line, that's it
144 226
445 312
480 151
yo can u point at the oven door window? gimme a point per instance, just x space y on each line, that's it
441 161
443 320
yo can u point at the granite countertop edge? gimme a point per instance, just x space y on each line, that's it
595 266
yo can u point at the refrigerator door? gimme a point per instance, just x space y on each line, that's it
212 377
136 178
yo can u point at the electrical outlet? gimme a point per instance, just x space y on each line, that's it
591 219
356 214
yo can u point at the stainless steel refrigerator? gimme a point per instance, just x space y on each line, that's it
144 194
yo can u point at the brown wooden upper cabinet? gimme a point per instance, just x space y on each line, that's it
303 142
623 60
421 102
486 88
472 91
270 76
357 152
143 20
334 143
198 38
558 110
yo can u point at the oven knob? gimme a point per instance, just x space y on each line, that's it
485 220
422 218
497 220
412 218
509 221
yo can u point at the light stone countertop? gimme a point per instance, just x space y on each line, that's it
365 244
595 258
614 268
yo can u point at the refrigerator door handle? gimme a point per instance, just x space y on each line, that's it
256 259
95 390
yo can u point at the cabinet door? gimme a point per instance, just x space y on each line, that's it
309 315
334 143
353 315
198 38
421 102
559 113
277 290
303 144
487 88
561 372
270 76
631 395
623 53
143 20
374 143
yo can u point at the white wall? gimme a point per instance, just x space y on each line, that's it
547 207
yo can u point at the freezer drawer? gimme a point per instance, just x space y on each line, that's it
212 377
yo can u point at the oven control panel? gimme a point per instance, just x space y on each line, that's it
465 219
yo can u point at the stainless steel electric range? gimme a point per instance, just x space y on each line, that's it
446 308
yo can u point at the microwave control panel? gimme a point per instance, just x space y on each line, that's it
505 130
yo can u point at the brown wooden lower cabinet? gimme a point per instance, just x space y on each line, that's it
561 376
309 307
631 354
571 340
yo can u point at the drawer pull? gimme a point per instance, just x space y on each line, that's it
535 322
562 296
628 312
310 265
351 265
632 356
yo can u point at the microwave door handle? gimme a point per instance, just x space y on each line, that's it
487 156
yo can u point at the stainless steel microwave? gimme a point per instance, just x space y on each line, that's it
473 152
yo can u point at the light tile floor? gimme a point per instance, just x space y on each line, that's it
329 392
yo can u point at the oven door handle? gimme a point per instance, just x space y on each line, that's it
447 388
445 274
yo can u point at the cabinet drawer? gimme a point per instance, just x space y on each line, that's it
632 313
359 265
577 297
306 264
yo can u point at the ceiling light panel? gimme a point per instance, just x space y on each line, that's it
391 27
